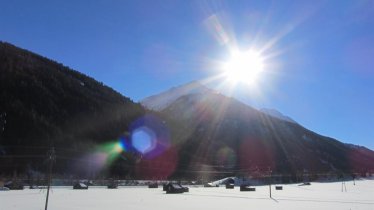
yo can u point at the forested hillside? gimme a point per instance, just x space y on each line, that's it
44 104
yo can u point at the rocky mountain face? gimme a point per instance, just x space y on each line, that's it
218 134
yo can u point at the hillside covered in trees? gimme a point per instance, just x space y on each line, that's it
45 104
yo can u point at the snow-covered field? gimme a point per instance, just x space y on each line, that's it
316 196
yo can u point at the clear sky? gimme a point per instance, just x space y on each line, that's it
319 66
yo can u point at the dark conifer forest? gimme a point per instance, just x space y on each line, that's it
45 104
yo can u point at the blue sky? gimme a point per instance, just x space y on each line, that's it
319 60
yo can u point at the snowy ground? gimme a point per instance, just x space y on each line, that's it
316 196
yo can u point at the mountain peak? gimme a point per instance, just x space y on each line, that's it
275 113
162 100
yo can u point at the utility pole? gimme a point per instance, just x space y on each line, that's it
51 158
270 189
270 174
2 123
2 130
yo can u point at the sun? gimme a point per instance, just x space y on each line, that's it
243 67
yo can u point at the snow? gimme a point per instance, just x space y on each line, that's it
316 196
164 99
277 114
306 138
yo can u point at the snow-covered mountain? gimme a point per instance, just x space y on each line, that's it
218 133
277 114
162 100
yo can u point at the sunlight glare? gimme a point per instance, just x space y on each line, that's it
243 67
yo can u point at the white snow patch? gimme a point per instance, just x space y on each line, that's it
277 114
327 196
306 138
164 99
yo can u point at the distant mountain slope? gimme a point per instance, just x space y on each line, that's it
45 103
222 135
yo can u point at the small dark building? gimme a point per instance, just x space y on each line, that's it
164 187
247 188
175 188
186 189
153 185
4 189
278 187
80 186
305 184
113 184
230 186
210 185
14 185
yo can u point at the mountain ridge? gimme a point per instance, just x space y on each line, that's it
45 104
277 114
286 145
160 101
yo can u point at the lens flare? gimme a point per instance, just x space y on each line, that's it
112 150
149 136
102 157
118 148
255 154
90 163
215 26
226 157
143 140
158 168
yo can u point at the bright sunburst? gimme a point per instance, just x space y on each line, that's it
243 67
